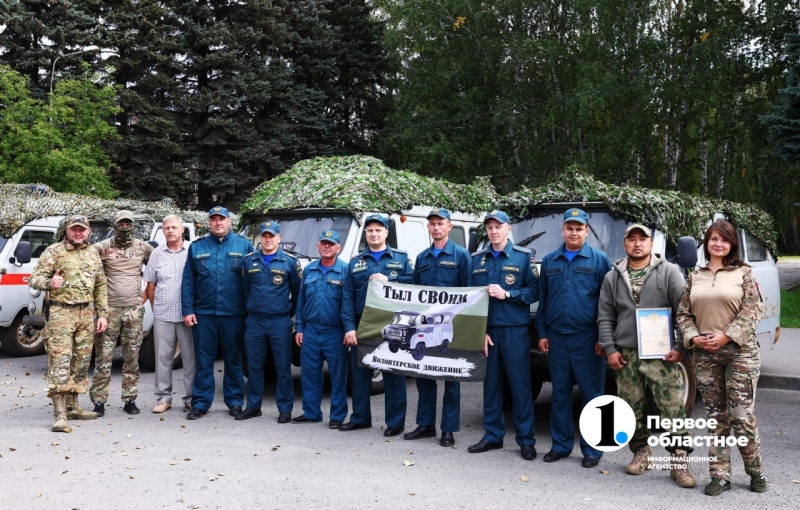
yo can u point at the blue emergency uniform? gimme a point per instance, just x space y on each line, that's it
514 270
449 269
319 318
212 291
395 265
271 295
567 317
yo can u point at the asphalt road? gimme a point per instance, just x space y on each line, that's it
165 461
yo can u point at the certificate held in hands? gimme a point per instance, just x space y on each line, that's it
654 326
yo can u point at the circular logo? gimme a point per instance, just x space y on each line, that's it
393 274
510 279
575 213
607 423
277 279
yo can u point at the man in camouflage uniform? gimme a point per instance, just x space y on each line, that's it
73 275
123 257
643 279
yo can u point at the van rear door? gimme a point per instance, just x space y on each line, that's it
766 272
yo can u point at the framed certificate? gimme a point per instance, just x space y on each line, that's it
654 328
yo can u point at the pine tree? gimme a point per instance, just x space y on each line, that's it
785 122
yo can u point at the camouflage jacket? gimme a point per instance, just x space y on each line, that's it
82 269
123 268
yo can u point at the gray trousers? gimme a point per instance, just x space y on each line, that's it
167 335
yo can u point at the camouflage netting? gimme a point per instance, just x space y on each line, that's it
674 212
21 203
360 184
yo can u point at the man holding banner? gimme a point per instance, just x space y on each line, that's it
378 262
509 274
443 264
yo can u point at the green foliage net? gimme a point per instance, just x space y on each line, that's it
21 203
675 213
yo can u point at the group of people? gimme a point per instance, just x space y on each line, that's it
216 295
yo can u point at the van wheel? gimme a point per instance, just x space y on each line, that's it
443 346
22 340
147 354
419 352
393 347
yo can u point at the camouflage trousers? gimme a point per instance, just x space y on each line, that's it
68 338
664 381
727 381
124 322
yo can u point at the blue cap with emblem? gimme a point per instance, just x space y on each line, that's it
330 236
576 214
270 226
442 213
497 215
219 211
377 218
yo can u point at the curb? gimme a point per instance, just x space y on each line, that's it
779 382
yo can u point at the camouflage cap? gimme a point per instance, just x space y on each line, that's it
123 215
637 226
78 220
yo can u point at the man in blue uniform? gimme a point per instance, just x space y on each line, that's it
443 264
571 278
271 283
213 306
509 274
377 262
320 332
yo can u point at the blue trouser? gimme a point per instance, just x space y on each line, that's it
323 343
573 360
210 334
451 404
394 398
263 333
512 349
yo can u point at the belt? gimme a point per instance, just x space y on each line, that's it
79 306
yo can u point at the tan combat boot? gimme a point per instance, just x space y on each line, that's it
60 412
74 411
640 462
680 471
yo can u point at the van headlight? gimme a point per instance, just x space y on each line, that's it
34 292
31 308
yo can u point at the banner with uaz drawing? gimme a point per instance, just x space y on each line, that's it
429 332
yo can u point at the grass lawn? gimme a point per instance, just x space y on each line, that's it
790 308
789 257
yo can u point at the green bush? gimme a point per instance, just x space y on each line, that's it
790 308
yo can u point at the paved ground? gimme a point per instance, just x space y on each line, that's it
789 273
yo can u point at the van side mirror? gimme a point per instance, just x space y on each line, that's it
687 252
22 253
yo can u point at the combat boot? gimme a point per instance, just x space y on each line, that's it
640 462
758 483
680 470
60 412
74 411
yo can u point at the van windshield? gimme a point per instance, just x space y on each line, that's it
100 231
541 232
404 319
300 231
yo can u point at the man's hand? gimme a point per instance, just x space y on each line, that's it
616 361
298 339
102 324
57 281
144 296
350 338
544 345
380 277
190 320
496 291
673 356
598 349
486 343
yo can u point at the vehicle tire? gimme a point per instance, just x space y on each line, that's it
147 354
443 346
22 340
419 352
393 347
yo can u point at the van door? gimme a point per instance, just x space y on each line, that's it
766 272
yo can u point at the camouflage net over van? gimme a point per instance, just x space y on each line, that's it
360 184
675 213
21 203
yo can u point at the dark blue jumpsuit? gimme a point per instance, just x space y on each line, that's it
395 265
319 318
212 291
449 269
271 294
515 271
567 317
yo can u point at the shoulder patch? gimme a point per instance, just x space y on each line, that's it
520 248
479 253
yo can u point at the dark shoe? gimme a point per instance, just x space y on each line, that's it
234 410
717 487
130 407
484 446
528 452
284 417
247 414
347 427
393 431
196 414
100 409
334 424
589 461
420 432
303 419
758 483
553 456
447 439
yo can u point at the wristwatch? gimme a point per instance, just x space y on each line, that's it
508 294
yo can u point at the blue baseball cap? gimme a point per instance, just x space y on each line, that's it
575 214
497 215
440 212
379 218
330 236
219 211
270 226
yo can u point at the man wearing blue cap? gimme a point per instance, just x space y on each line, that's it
320 332
567 324
443 264
509 274
380 262
213 305
271 282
